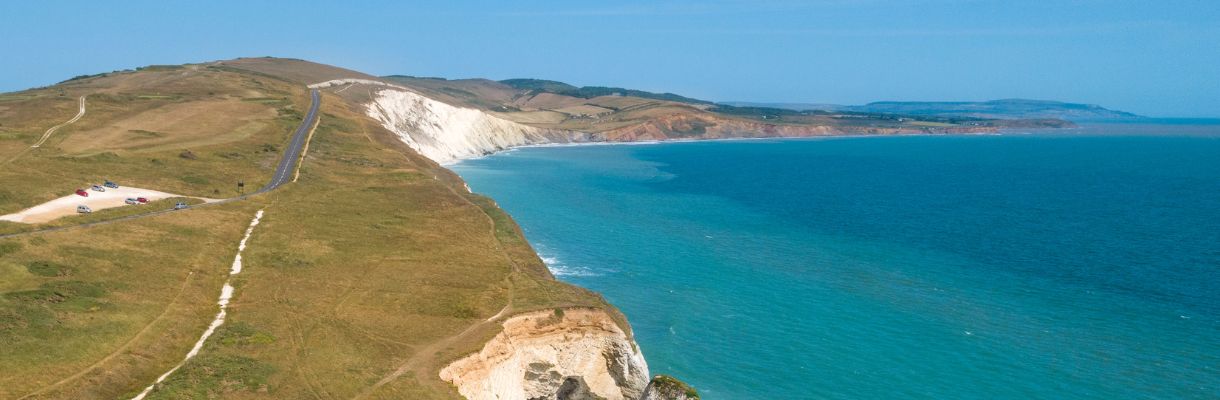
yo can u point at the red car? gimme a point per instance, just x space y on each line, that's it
82 193
142 200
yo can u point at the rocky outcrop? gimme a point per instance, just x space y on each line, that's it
664 387
446 133
567 354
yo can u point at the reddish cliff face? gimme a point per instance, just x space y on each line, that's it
706 126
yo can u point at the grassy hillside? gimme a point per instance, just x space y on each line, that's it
194 130
588 92
376 262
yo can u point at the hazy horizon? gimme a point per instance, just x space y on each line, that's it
1159 60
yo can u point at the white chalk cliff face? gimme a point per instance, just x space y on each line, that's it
576 354
581 354
446 133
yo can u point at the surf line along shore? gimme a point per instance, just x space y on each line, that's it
226 294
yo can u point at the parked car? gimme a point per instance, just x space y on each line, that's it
181 206
82 193
83 209
97 188
111 185
142 200
131 200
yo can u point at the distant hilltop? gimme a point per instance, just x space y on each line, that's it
999 109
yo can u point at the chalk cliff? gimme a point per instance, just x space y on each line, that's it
446 133
560 355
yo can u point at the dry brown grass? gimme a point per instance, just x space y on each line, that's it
377 261
538 118
584 109
299 71
377 265
136 127
126 303
185 125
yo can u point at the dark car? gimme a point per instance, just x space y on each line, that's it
111 185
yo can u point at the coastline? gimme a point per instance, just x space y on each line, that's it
622 278
1002 132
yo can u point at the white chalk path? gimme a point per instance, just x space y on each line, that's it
51 131
337 82
226 293
65 206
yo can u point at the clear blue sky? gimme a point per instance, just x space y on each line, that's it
1159 58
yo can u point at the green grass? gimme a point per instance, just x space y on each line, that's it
266 100
15 97
221 368
147 134
377 259
48 172
670 386
48 269
931 124
74 297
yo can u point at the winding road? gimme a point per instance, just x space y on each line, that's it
284 171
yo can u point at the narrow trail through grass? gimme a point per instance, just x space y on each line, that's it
119 350
226 294
51 131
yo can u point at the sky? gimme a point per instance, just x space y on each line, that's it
1155 58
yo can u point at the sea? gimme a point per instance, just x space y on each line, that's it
1073 264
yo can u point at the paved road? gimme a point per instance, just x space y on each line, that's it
287 166
283 172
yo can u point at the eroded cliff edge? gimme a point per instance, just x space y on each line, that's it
570 353
446 133
566 353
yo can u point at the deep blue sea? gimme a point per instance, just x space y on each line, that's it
1074 265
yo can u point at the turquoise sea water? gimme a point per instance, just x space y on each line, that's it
1067 266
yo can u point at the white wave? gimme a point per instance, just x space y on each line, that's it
564 270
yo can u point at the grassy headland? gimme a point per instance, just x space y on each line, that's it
377 261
